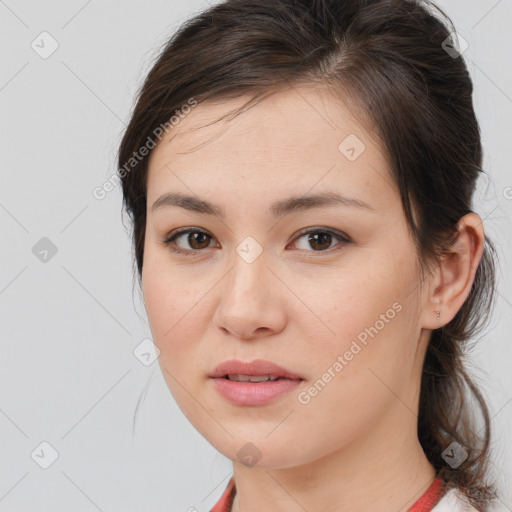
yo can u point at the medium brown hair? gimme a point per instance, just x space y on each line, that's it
388 60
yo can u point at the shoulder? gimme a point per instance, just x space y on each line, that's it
453 501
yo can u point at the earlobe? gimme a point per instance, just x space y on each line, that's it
454 277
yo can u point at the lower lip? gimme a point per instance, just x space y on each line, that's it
253 393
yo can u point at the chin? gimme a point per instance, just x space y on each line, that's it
259 452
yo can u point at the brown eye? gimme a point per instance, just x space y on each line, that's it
195 240
321 239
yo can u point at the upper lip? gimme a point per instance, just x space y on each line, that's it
256 367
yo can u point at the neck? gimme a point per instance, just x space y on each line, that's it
367 475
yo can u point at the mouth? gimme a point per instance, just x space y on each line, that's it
253 384
255 371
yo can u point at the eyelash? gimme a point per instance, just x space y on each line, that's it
169 240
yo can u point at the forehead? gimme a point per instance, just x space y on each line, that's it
293 139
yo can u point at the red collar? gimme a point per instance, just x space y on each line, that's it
226 500
425 504
428 500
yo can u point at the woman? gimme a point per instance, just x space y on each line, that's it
299 175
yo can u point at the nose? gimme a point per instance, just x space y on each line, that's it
251 301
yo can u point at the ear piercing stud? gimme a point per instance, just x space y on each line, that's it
438 313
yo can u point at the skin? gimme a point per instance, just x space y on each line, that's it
352 447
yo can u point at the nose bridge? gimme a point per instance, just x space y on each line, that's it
247 281
247 305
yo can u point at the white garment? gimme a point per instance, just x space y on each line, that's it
453 501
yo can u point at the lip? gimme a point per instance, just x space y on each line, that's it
253 393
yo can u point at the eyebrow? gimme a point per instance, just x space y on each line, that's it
277 209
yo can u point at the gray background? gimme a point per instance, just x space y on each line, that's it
69 325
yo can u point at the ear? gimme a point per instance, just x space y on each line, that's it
451 282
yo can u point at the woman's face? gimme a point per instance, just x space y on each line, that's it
328 290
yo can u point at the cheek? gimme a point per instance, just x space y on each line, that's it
355 305
353 373
160 301
173 313
171 304
368 336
